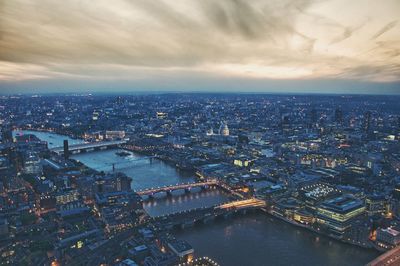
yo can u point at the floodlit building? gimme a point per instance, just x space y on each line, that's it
337 214
223 129
32 164
387 237
111 135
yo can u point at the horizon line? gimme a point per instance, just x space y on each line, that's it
152 92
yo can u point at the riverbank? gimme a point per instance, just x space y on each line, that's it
53 139
260 239
317 232
53 131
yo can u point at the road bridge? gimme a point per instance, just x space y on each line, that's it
243 204
188 218
389 258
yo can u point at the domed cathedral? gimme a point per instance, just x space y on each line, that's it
223 129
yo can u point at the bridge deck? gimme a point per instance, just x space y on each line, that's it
391 257
176 187
198 214
240 204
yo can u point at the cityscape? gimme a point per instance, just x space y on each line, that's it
200 133
142 179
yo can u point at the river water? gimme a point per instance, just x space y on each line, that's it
258 239
53 139
145 172
252 239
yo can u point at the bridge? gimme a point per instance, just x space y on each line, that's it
188 218
389 258
85 147
168 189
243 204
118 166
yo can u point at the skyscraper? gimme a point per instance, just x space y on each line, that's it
123 182
66 149
367 121
7 134
338 116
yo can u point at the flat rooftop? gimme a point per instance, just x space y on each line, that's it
342 204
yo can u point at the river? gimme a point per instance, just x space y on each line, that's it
252 239
145 172
53 139
258 239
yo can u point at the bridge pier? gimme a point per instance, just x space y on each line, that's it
208 219
169 193
227 215
187 224
187 190
169 226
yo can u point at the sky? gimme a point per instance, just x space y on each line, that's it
301 46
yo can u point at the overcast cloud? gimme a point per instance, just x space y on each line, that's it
146 41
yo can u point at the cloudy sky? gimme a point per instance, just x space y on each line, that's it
184 45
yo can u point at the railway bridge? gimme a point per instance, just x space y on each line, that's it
91 146
185 186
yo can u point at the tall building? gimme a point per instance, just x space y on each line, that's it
123 182
66 149
398 122
396 192
285 123
32 164
338 116
367 121
313 116
3 227
100 185
7 134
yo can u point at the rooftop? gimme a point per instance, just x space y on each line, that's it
342 204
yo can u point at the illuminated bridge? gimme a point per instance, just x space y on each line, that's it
188 218
92 146
389 258
242 204
169 189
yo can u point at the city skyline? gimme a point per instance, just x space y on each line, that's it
150 179
225 46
